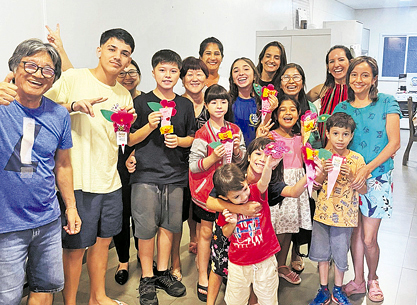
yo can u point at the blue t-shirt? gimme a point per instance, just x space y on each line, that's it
30 138
370 136
246 117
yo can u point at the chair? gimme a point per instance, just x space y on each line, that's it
413 135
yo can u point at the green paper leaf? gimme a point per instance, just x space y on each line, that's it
324 154
107 114
323 118
154 106
215 144
258 89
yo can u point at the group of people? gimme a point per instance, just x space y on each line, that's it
215 167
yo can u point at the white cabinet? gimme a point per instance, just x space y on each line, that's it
351 34
308 48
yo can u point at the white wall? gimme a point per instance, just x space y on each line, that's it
386 21
176 24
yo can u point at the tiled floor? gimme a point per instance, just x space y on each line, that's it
397 268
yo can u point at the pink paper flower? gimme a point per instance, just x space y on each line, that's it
309 116
276 149
169 104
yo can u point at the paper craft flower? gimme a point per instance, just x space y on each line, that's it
225 135
122 120
169 104
308 115
267 90
276 149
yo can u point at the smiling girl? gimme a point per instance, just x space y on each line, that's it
377 118
204 160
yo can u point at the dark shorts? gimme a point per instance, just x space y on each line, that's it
219 252
101 216
154 207
200 213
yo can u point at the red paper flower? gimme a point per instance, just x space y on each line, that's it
276 149
121 120
169 104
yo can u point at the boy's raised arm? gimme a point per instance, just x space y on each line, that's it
154 118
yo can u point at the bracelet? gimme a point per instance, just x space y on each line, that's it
72 106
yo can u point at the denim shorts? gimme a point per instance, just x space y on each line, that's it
42 248
156 206
330 242
101 216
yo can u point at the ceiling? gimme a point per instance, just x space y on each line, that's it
368 4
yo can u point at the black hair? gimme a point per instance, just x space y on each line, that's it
192 63
260 143
302 98
166 56
373 92
342 120
330 82
205 42
283 58
215 92
228 178
136 66
274 115
119 34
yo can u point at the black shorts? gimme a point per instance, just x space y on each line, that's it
203 214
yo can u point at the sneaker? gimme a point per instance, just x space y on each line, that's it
339 297
323 297
147 291
168 283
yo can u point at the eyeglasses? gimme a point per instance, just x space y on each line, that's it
286 78
32 68
132 73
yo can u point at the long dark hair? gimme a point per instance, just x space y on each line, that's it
260 143
330 82
283 58
274 115
373 92
302 98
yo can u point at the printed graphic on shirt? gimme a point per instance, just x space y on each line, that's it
253 120
248 232
21 158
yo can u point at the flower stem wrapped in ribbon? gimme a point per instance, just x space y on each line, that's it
264 92
309 153
308 124
226 138
337 162
167 109
122 120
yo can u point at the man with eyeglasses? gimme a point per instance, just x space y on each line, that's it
34 158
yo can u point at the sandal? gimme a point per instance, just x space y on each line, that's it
374 292
352 288
290 277
192 247
298 266
176 274
202 292
119 303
